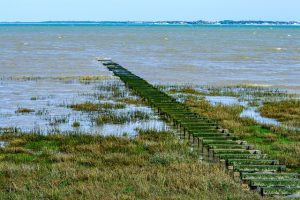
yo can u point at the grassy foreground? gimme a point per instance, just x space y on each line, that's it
150 166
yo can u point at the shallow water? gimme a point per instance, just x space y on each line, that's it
224 100
2 144
162 54
251 112
50 98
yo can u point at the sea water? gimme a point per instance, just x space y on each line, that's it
267 55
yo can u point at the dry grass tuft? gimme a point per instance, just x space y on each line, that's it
24 110
92 107
132 101
287 111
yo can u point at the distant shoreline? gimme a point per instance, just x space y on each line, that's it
224 22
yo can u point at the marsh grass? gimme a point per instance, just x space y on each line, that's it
111 118
121 118
56 120
244 91
92 107
154 165
42 112
287 111
76 124
133 101
24 110
247 90
91 79
4 130
113 106
116 89
88 107
185 90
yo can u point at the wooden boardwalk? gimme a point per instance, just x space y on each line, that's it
246 165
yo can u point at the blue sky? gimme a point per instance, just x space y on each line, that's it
143 10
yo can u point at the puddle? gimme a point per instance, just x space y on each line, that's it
224 100
3 144
252 112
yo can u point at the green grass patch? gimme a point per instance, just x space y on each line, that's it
258 129
43 145
19 158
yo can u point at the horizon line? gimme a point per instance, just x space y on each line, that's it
128 21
